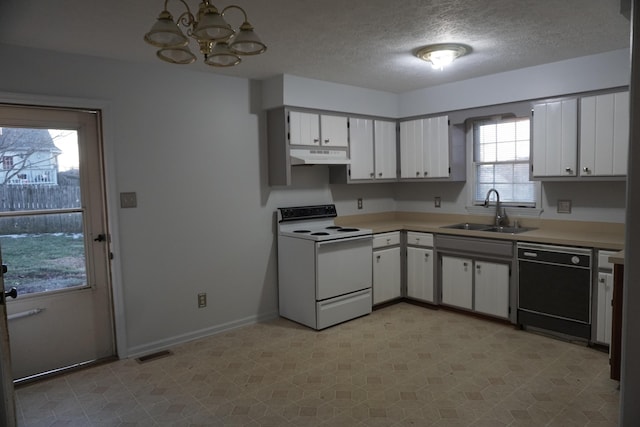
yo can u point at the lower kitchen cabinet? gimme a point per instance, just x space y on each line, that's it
420 262
457 282
492 288
386 267
604 316
481 286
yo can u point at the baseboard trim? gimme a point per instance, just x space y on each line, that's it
155 346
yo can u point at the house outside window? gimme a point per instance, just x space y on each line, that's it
501 160
7 162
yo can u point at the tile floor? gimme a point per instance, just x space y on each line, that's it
402 365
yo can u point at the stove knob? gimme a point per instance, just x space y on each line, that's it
575 260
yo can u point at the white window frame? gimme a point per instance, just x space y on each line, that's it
478 209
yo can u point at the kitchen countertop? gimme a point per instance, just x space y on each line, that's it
601 235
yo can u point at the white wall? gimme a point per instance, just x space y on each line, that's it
193 146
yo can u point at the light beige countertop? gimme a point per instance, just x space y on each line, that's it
600 235
617 258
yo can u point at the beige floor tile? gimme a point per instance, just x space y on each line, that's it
403 365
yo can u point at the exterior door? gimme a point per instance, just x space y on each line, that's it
7 402
54 239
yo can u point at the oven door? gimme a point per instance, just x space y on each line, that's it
343 266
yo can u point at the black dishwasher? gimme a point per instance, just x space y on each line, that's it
554 288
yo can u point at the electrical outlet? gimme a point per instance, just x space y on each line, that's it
202 300
564 206
360 203
436 202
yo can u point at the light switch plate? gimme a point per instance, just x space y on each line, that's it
128 200
564 206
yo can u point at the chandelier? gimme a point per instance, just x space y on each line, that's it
220 44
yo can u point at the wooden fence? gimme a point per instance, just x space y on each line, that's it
14 198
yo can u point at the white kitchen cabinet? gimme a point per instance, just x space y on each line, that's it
555 138
491 281
604 134
372 145
361 148
318 129
385 143
420 274
334 131
420 266
604 315
457 281
386 267
424 148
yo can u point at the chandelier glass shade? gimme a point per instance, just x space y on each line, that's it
442 54
219 43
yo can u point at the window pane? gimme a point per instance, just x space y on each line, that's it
501 151
43 252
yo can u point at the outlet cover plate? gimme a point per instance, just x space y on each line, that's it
564 206
128 200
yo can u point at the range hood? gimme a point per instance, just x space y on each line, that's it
318 156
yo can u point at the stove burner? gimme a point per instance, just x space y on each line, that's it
302 231
333 227
320 233
348 229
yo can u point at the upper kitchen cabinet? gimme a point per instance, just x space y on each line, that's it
372 147
431 148
604 134
299 137
554 138
318 129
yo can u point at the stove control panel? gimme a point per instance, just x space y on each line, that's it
307 212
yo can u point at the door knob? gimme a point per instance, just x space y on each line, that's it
13 293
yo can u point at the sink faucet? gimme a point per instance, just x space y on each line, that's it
501 217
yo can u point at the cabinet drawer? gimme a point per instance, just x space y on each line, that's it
386 239
420 239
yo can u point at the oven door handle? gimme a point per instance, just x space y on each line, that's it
345 240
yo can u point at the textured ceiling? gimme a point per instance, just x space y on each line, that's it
367 43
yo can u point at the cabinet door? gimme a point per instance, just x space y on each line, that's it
555 138
361 147
420 274
604 134
334 131
492 288
304 128
605 298
385 150
435 147
457 282
386 275
411 149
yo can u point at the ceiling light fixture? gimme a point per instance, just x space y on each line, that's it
221 45
442 54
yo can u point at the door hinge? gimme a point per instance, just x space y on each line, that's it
110 255
509 311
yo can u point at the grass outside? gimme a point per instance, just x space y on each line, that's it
43 262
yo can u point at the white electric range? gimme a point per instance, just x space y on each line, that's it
325 271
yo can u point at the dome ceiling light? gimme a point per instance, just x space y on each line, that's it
442 54
220 44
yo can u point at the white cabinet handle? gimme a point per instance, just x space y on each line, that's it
379 173
378 258
426 173
326 141
371 174
567 169
316 140
417 173
586 170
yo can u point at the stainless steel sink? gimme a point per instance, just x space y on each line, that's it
508 230
469 226
488 227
